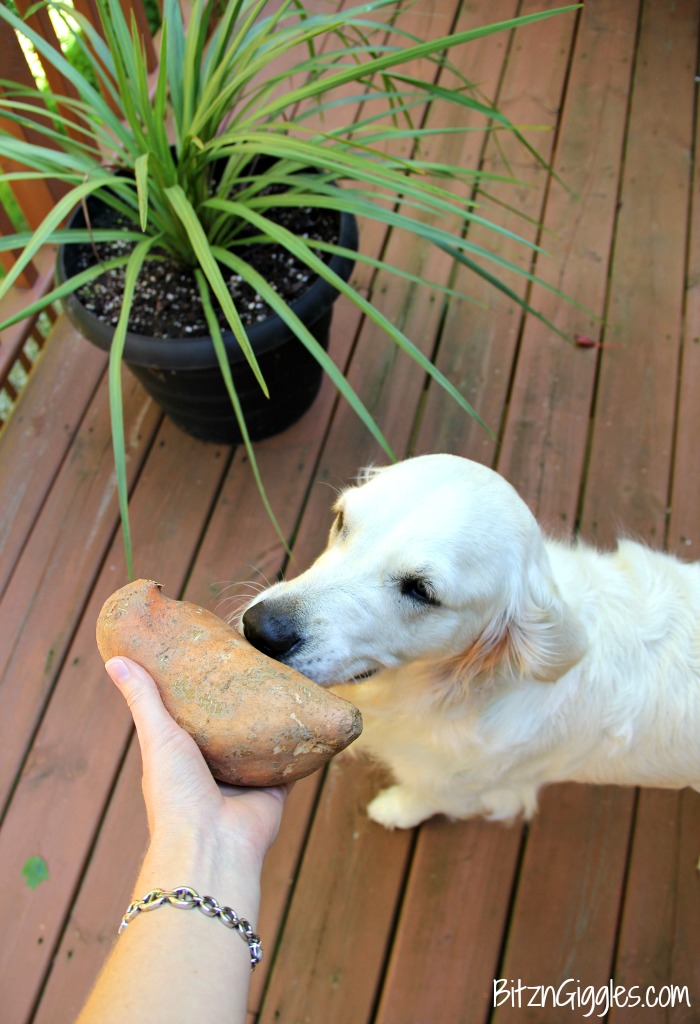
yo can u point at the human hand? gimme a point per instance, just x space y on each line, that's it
181 795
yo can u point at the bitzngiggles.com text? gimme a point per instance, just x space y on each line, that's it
588 1000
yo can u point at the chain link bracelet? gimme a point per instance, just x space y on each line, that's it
186 899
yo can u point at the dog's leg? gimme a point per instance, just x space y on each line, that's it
508 804
400 807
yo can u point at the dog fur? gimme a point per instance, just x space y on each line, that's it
486 659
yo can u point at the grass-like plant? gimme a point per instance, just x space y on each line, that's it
243 80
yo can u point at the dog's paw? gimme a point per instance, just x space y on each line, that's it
399 807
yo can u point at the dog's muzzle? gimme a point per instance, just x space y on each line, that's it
271 629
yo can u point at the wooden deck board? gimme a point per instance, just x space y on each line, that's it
447 948
644 319
337 945
564 920
480 336
89 931
70 770
545 442
48 590
364 926
659 931
39 433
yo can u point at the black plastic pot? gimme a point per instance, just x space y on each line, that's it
182 374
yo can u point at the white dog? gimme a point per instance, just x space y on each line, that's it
487 660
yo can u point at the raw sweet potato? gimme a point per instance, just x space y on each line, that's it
257 722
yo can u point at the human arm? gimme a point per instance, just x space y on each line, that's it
172 964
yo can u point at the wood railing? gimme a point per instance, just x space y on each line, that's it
26 203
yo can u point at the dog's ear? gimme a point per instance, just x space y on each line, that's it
537 635
546 636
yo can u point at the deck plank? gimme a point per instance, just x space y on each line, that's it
563 927
543 453
624 418
334 941
545 441
684 520
91 928
639 371
42 605
61 793
481 331
445 955
38 433
659 935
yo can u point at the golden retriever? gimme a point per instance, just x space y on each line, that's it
486 659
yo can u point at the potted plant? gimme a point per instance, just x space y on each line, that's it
211 168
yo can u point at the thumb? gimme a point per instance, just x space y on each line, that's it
152 721
172 763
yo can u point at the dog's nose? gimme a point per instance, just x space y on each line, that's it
273 633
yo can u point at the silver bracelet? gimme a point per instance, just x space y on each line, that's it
186 898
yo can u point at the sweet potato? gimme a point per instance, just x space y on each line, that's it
257 722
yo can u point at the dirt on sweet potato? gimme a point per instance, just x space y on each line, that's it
256 721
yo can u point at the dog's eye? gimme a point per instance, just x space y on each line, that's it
419 590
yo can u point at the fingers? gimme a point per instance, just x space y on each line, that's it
178 787
174 771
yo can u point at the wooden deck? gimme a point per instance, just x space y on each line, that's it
360 924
